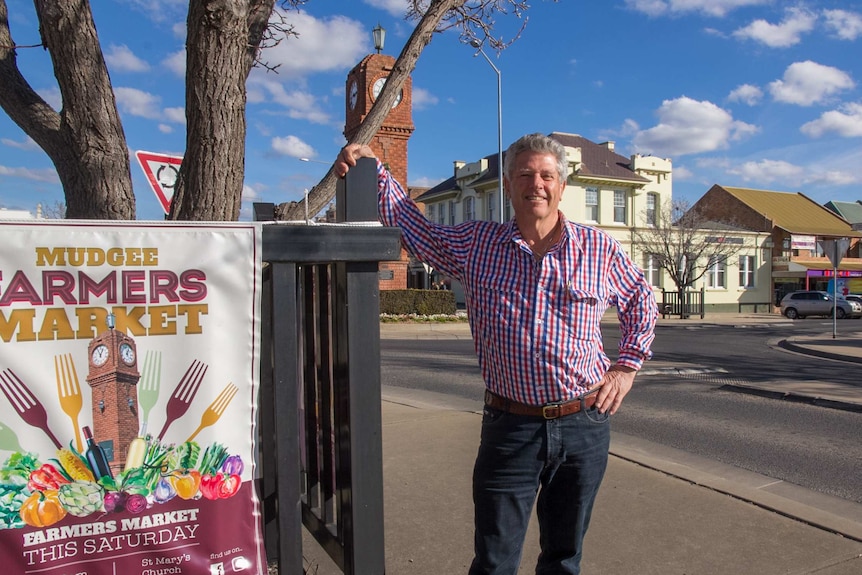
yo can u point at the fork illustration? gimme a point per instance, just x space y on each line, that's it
148 392
213 412
184 393
25 403
69 392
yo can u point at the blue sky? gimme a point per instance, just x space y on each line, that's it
750 93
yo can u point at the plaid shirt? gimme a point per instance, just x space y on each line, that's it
536 324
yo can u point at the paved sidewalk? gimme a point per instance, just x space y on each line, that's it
646 522
660 511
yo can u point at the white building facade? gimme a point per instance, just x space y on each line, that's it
618 195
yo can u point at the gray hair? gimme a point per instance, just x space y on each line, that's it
536 143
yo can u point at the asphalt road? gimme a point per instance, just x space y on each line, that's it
816 447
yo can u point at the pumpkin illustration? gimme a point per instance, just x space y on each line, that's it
42 509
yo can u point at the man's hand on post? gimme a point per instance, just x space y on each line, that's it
349 154
616 383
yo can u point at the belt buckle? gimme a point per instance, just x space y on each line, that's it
551 410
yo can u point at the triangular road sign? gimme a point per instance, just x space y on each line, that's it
161 170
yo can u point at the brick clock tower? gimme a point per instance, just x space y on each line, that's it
364 83
113 376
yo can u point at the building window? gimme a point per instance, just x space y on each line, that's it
441 213
469 214
492 205
429 212
651 269
716 272
619 206
451 212
746 271
651 214
591 207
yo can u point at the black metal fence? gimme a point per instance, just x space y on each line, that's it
320 421
691 303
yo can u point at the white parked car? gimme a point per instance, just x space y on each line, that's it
799 304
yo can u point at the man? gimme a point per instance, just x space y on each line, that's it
536 288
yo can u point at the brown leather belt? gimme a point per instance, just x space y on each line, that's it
548 411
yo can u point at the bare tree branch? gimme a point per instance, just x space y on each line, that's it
685 244
475 18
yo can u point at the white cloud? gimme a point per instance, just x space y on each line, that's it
746 93
122 59
768 171
249 194
787 33
423 99
52 97
176 63
138 103
681 173
846 121
425 182
843 24
37 175
161 10
397 8
688 126
834 178
145 105
718 8
175 115
165 129
26 144
786 174
315 50
807 83
300 105
293 146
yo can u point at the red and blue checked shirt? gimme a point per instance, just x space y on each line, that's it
536 324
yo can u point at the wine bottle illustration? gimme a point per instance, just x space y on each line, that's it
96 456
137 449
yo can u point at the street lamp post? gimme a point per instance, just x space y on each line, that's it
478 45
306 190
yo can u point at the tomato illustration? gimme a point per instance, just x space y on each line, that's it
220 486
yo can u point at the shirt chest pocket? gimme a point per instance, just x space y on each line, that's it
581 311
500 305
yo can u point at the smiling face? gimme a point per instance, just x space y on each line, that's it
535 188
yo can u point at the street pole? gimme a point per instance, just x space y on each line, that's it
478 45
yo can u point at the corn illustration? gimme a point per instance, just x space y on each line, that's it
74 466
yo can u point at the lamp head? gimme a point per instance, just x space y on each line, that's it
475 43
379 35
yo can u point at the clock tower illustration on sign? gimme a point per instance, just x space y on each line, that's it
113 376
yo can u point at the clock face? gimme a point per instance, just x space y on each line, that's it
127 354
377 87
353 94
100 354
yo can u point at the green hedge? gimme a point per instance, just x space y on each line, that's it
418 301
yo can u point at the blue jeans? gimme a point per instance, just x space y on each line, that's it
563 460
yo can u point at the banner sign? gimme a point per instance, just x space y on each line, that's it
129 366
798 242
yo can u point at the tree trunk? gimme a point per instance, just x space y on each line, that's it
323 192
209 185
85 141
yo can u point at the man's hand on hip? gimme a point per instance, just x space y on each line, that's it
614 386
